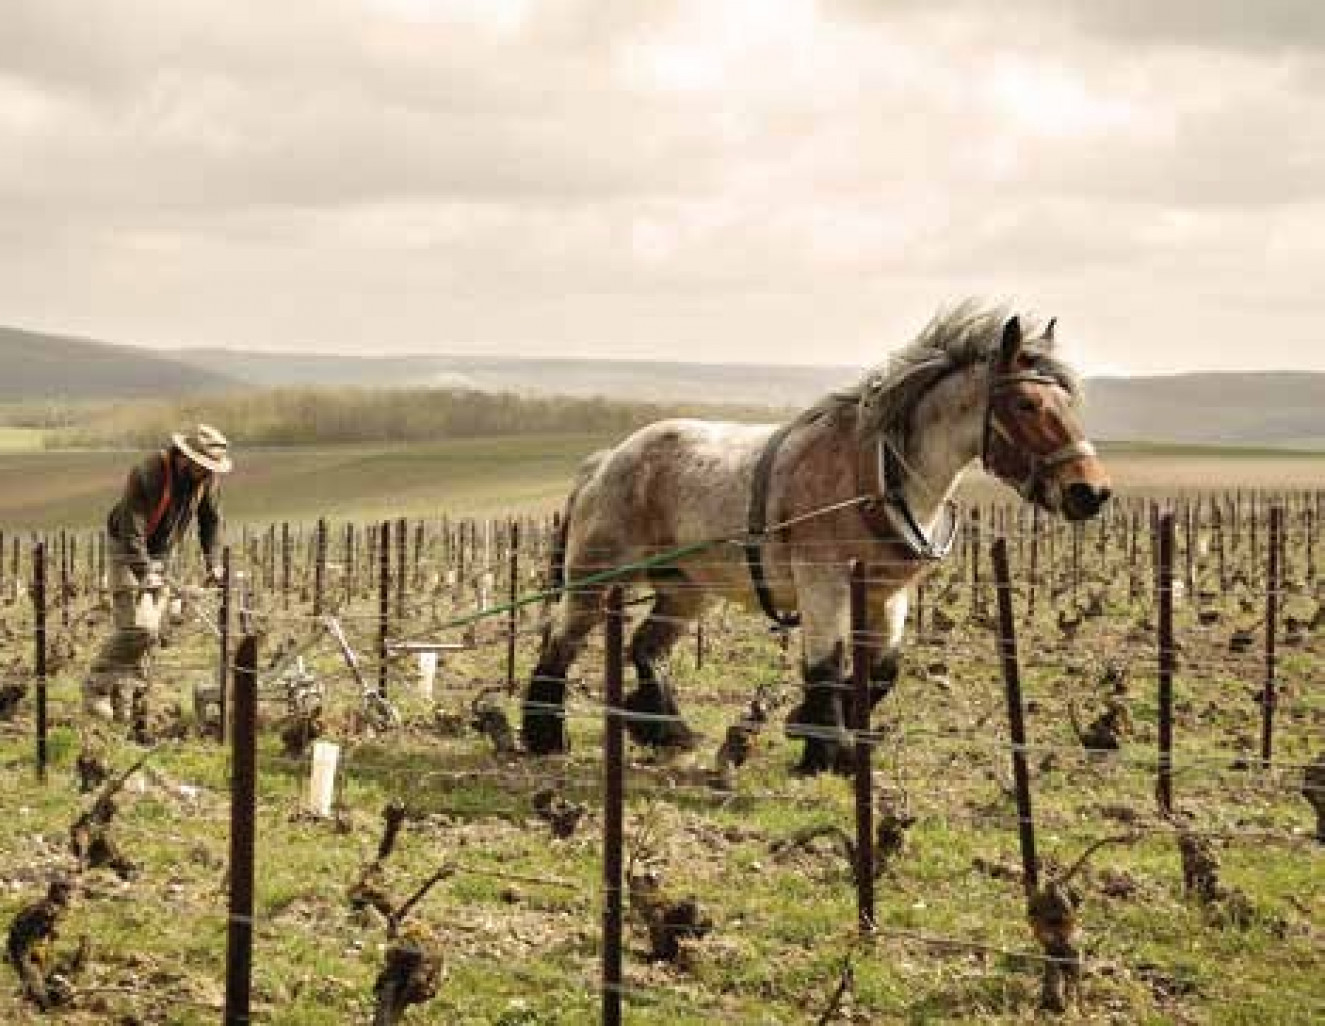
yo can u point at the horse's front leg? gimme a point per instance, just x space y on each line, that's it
886 658
823 598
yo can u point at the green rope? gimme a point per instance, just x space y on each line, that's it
616 572
602 577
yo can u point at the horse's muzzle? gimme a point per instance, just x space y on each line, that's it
1081 501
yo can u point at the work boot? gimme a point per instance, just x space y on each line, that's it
122 700
96 703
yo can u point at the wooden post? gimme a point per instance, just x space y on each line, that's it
1164 783
348 575
319 567
860 722
285 565
39 653
402 564
1273 577
614 750
223 643
1007 641
383 602
976 604
1035 564
66 572
243 779
512 594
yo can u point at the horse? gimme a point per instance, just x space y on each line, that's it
771 517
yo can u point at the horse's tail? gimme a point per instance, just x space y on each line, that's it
556 579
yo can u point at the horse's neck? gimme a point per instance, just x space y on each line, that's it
945 439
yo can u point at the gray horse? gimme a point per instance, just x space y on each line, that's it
865 474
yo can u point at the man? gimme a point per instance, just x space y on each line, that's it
162 496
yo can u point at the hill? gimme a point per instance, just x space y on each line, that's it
42 367
1277 409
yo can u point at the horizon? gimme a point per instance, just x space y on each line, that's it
182 351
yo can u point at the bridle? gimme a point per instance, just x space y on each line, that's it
891 514
996 463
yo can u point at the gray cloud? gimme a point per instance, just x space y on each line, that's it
734 179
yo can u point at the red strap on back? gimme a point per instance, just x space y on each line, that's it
164 503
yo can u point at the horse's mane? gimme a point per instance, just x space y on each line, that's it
967 333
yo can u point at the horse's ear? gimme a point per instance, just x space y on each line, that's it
1049 331
1011 342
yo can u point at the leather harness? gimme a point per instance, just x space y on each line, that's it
880 482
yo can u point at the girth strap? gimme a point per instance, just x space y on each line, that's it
758 525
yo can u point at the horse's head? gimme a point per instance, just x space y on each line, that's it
1033 439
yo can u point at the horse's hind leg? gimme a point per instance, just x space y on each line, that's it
543 728
676 603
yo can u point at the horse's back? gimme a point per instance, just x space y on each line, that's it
672 483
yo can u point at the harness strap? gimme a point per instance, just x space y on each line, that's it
163 504
758 529
889 515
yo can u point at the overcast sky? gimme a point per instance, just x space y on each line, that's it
735 180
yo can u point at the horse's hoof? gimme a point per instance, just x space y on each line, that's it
819 757
544 736
677 737
654 725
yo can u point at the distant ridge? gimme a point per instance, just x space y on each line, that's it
39 367
1283 409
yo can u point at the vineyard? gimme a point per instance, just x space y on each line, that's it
1098 787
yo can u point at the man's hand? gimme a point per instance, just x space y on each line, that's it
153 576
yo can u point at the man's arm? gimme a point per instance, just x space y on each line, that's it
133 518
209 524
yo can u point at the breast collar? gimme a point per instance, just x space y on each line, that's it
889 516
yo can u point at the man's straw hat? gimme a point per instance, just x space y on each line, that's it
207 447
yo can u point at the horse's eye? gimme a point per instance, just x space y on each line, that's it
1027 406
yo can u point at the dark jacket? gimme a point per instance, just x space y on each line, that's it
129 522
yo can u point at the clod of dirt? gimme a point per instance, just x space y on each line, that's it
561 815
803 840
489 719
393 818
673 923
1105 733
738 745
669 922
301 729
890 835
11 696
996 870
369 892
1117 883
31 941
411 976
1052 915
1115 677
1200 867
447 724
91 769
91 843
1313 790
